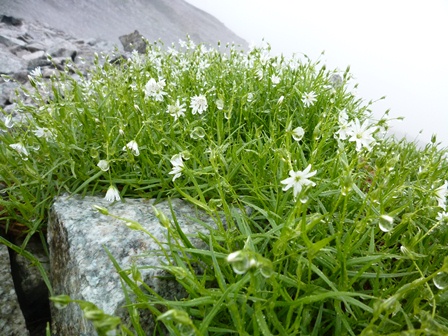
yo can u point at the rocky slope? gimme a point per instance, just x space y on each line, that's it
168 20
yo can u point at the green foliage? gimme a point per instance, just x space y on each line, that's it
360 249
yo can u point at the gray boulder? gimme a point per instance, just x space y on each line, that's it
12 322
11 41
9 63
133 41
63 48
78 235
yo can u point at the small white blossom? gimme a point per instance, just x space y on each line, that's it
177 110
132 146
103 165
155 89
9 123
191 45
203 64
361 134
442 216
182 43
36 72
172 51
198 104
280 100
178 165
344 126
441 193
265 56
309 98
43 132
112 194
275 79
298 179
20 148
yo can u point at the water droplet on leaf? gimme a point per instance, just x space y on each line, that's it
441 280
197 133
386 223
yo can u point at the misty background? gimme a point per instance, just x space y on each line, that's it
396 49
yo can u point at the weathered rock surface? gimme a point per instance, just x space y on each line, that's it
12 322
25 46
133 41
167 20
78 236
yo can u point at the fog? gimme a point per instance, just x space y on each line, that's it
396 49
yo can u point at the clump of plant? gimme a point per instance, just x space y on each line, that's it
332 228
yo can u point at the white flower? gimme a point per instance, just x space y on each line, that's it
442 216
112 194
309 98
441 193
250 97
20 148
265 57
177 110
43 132
178 166
298 179
9 123
172 51
103 165
132 146
275 79
219 104
155 89
297 133
344 126
36 72
203 64
182 43
361 134
191 44
280 100
198 104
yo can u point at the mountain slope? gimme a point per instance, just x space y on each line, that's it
167 20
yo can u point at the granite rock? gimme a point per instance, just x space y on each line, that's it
12 321
133 41
10 64
78 235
